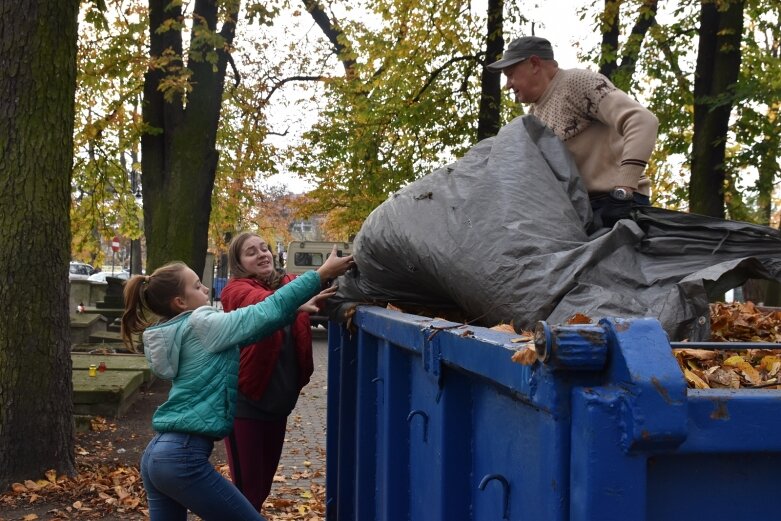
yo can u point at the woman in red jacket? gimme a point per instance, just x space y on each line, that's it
272 372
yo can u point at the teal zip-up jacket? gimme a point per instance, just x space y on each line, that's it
199 351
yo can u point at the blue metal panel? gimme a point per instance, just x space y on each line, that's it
434 423
712 486
393 454
366 427
333 419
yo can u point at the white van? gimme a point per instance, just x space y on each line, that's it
303 256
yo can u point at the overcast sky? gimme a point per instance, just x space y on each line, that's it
557 21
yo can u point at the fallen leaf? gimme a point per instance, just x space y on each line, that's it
699 354
525 356
695 380
507 328
578 318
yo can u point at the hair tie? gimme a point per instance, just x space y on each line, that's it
146 279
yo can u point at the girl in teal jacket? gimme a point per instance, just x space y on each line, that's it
197 347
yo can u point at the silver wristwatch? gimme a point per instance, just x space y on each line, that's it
620 193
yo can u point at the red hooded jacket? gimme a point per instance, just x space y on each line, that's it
259 359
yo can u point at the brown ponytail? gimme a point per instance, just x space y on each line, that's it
148 298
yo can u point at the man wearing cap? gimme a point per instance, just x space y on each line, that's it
609 134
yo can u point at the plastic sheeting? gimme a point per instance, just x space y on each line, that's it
500 235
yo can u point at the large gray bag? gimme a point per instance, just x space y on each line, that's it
500 235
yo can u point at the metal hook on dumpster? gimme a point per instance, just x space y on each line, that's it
505 491
425 422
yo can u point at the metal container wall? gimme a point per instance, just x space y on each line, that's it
431 421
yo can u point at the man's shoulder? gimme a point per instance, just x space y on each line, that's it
585 77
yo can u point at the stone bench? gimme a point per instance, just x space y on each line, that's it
114 362
83 325
107 394
105 337
110 313
103 348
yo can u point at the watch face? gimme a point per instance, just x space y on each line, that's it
621 194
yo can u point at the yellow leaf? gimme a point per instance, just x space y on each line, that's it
31 485
30 517
734 360
751 374
306 494
771 364
51 475
695 380
77 505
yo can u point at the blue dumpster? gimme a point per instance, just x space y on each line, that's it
429 420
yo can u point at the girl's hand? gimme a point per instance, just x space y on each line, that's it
334 266
311 305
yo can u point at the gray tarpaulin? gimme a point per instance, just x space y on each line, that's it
500 235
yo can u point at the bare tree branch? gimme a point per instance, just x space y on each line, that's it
288 80
332 31
441 69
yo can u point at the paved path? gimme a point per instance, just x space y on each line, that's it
304 450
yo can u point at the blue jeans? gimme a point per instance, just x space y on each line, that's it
178 476
606 211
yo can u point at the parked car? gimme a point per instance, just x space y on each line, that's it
79 271
100 277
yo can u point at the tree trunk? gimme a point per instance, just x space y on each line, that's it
718 64
611 30
768 165
37 88
179 157
621 74
489 119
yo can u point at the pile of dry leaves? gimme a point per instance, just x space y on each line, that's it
100 492
115 492
734 369
95 493
713 368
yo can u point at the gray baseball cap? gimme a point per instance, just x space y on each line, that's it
520 49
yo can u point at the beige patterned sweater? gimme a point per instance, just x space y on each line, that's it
610 135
